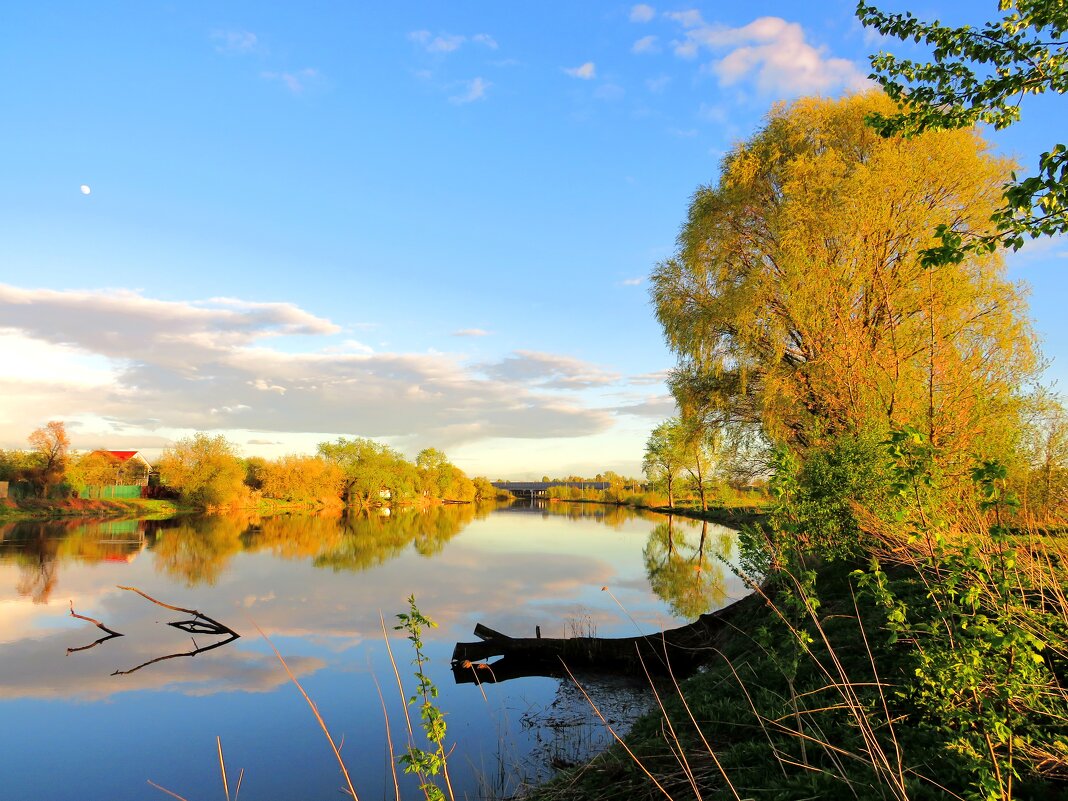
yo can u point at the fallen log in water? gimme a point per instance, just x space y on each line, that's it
683 649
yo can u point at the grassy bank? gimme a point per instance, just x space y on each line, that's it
39 509
937 675
730 516
724 515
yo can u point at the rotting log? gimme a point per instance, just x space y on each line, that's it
681 650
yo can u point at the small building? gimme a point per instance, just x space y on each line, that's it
115 474
135 466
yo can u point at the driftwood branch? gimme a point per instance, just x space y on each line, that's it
680 650
110 633
198 624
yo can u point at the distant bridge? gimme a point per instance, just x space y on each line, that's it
539 489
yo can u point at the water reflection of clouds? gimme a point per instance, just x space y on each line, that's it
308 611
498 573
40 668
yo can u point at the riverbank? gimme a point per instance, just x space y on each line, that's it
155 509
38 509
846 697
730 516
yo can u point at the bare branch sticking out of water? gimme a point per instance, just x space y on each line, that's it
210 625
110 632
198 624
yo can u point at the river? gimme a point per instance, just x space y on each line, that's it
99 723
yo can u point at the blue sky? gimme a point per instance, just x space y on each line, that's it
427 223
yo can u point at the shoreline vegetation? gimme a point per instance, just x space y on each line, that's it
843 324
207 474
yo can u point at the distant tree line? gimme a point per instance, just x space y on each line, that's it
209 471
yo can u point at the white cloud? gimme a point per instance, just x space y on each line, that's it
34 361
716 114
609 91
150 366
475 89
647 44
549 370
295 82
1042 248
642 13
584 72
633 281
445 43
235 41
471 332
658 84
688 19
769 51
349 346
449 42
658 377
657 407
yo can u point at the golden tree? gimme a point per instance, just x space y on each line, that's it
205 470
50 446
797 298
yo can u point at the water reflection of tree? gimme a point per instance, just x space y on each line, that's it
612 515
295 536
36 557
689 576
37 549
198 549
371 540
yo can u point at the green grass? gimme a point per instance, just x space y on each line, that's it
38 509
817 704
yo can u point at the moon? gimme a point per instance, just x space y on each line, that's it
85 189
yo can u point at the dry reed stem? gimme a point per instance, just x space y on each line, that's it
882 696
697 728
389 739
315 711
222 767
165 790
408 720
400 685
680 754
752 706
612 731
878 758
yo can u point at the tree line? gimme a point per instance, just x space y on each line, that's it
208 471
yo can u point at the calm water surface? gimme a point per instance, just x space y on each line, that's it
316 586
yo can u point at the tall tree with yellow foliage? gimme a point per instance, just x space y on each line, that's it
797 298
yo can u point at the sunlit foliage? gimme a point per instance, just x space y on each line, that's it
302 478
205 470
798 301
980 74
